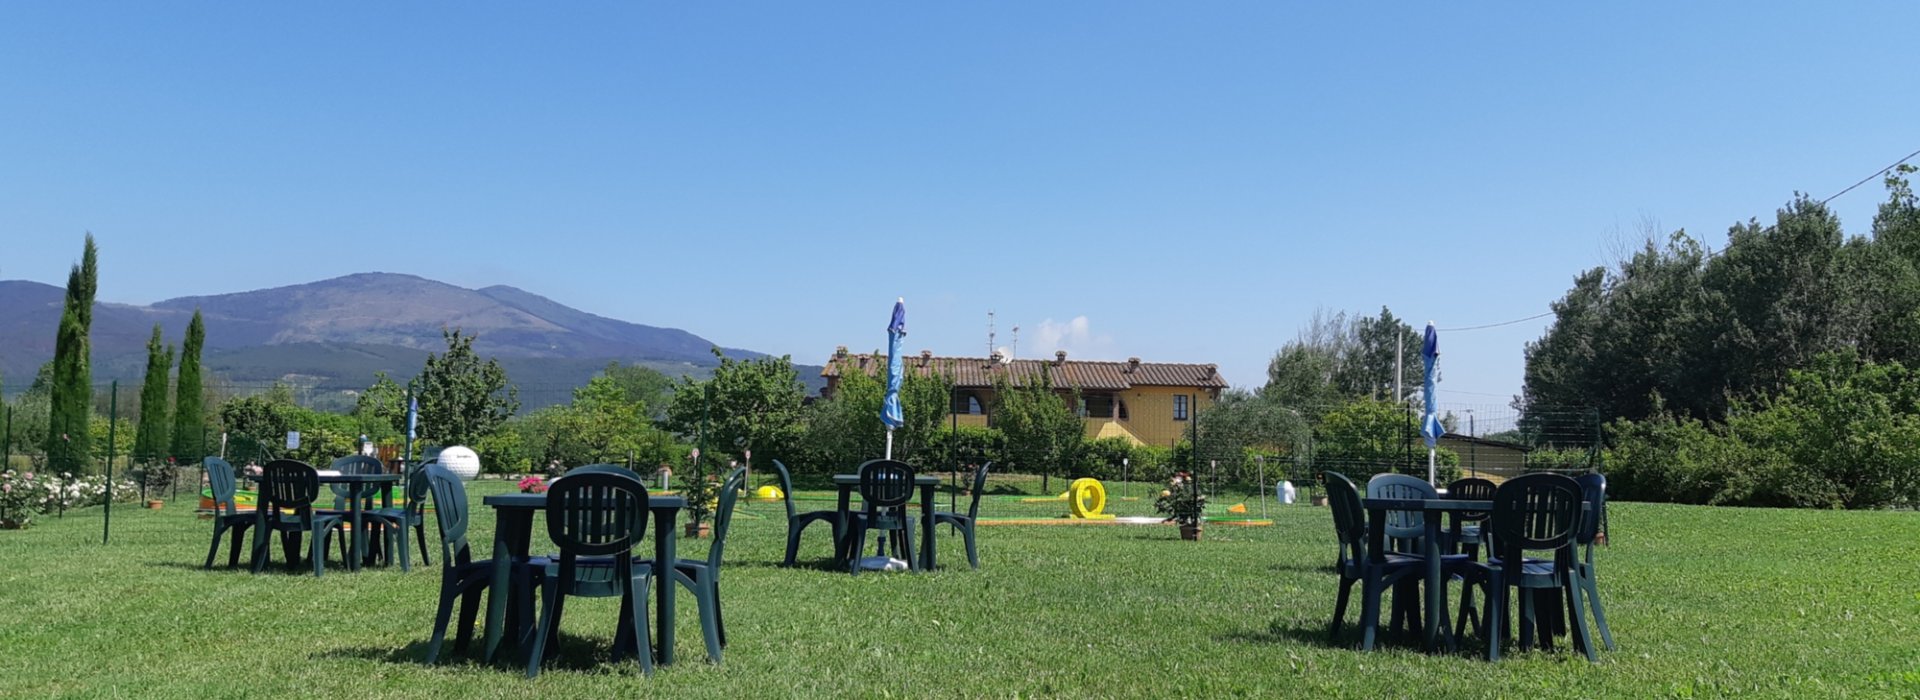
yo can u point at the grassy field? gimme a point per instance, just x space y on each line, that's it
1704 602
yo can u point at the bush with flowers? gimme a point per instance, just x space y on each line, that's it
1182 501
533 483
26 494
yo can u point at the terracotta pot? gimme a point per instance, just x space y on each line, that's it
1190 532
1320 500
699 531
11 524
155 503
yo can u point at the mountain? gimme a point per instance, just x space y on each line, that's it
332 335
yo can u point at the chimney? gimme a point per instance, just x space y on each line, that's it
926 356
993 359
840 353
863 362
1059 357
1133 364
1210 370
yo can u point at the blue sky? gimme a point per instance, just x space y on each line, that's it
1174 181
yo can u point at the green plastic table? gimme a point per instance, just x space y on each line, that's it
1436 598
512 537
848 482
356 511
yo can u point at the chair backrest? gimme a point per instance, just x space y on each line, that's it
1593 490
1471 489
1536 511
220 479
418 486
604 469
886 483
1402 524
356 464
979 485
596 513
723 514
450 510
1349 516
287 483
786 486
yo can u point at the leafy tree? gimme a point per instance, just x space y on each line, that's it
461 398
1240 425
644 387
381 410
1334 359
70 411
604 424
1364 438
1043 432
150 445
189 396
751 405
846 429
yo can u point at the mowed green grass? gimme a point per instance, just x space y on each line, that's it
1705 602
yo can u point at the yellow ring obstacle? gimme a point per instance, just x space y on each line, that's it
1086 497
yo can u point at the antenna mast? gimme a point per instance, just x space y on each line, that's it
1013 350
989 333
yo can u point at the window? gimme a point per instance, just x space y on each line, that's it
966 404
1097 406
1123 408
1179 406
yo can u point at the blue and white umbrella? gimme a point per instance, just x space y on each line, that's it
890 412
1430 427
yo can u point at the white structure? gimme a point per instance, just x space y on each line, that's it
462 461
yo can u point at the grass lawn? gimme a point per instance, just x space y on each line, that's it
1705 602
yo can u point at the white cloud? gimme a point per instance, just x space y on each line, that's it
1075 336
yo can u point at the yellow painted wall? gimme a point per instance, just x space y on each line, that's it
1149 415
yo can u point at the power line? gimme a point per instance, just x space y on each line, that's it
1710 253
1864 180
1495 325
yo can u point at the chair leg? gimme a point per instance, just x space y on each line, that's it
793 543
973 549
214 548
1576 622
469 612
260 547
906 546
1527 622
233 547
421 531
1340 608
1496 623
537 651
1370 590
709 601
319 549
441 616
855 546
1467 611
638 586
719 615
1592 596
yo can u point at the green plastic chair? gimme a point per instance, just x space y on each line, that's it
410 515
702 576
226 510
1537 512
1593 488
596 518
966 523
885 488
461 576
287 484
1374 571
798 522
381 523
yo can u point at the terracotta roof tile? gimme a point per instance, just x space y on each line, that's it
979 372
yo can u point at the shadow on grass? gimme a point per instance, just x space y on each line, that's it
1314 633
572 653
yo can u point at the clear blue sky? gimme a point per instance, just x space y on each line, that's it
1176 181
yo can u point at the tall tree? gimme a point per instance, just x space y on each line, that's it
381 410
68 444
156 426
746 405
847 430
189 405
463 399
1044 432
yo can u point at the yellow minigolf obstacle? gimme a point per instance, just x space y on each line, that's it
1086 498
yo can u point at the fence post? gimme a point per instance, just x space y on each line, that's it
113 425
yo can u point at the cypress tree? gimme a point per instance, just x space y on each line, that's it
188 409
150 442
70 414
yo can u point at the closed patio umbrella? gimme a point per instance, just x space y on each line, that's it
1430 427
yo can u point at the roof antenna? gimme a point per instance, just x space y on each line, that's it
1013 350
989 333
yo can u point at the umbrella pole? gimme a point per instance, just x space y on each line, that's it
1430 471
889 443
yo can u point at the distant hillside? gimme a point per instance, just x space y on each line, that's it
329 337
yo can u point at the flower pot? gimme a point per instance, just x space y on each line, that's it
155 503
1320 500
1190 532
700 530
13 524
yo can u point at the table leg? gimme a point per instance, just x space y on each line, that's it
666 551
926 528
844 548
511 527
359 532
1436 586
